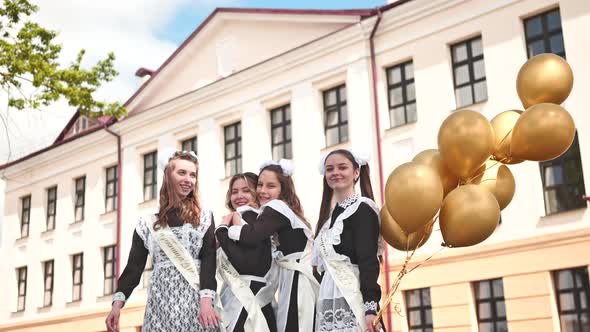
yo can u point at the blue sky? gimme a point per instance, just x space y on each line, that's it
188 17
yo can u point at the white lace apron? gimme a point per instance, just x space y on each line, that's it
308 287
340 303
180 257
237 295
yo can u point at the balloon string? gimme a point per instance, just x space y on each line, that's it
404 270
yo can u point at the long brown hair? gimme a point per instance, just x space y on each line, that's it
288 194
251 180
189 206
328 193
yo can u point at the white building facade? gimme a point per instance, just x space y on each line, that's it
250 85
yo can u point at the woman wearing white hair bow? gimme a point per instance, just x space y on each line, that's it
347 246
282 218
181 242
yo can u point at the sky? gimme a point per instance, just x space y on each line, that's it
141 33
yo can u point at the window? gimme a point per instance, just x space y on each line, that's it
543 34
401 94
21 275
25 215
47 283
573 296
335 115
490 307
563 181
280 120
111 189
469 73
109 269
150 181
147 271
190 144
233 148
51 207
77 277
80 193
419 310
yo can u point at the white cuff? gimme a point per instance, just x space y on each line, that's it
234 232
207 293
119 296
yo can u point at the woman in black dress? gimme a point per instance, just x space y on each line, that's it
252 263
347 246
282 218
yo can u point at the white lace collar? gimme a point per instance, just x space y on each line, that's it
348 201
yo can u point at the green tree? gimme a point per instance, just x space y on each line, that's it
29 62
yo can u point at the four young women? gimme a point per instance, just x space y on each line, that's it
266 249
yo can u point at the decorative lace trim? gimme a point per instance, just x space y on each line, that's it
207 293
119 296
371 306
349 201
335 315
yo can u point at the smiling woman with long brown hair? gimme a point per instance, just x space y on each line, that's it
282 218
181 241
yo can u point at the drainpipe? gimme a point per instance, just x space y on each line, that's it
378 137
119 205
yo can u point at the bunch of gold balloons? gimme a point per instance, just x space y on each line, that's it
466 182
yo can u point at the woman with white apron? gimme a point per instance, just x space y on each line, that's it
247 294
347 246
281 216
181 241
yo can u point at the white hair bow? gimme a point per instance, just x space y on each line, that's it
167 153
361 157
285 164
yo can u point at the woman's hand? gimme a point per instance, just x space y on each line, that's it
112 320
236 219
227 219
370 319
207 315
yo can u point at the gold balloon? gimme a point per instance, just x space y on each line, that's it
503 124
394 235
433 159
413 194
465 142
543 132
498 179
544 78
468 216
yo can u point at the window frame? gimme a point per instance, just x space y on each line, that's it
493 300
470 60
25 211
48 292
284 125
403 83
422 308
21 278
109 274
79 198
545 35
51 208
189 144
75 268
236 140
151 182
111 181
341 125
576 291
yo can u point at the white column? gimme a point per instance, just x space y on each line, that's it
211 167
255 136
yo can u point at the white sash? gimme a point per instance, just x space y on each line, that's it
241 290
339 266
182 260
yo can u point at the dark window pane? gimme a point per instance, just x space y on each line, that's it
486 327
500 309
396 96
569 323
276 117
536 47
565 280
425 297
566 301
556 44
343 133
330 97
277 135
484 310
479 70
534 27
413 298
342 92
498 288
288 131
428 316
553 21
415 318
332 119
411 113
